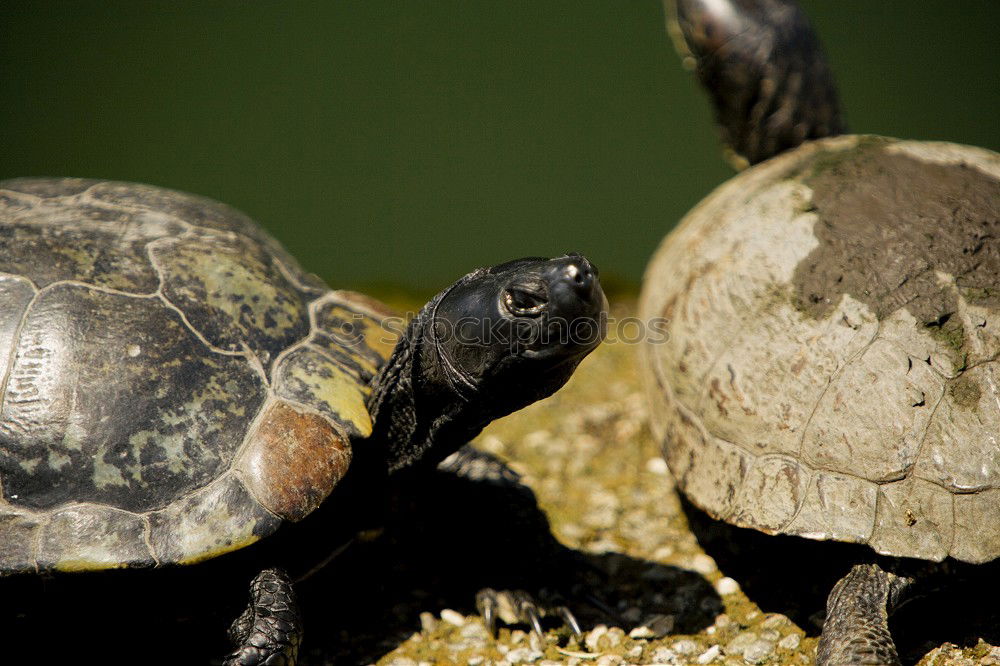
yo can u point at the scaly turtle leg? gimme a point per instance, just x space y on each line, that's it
269 631
856 630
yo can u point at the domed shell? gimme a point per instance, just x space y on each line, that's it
172 385
829 364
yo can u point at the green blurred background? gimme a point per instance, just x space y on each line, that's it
403 143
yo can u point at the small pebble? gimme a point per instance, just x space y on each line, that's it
771 635
657 466
428 622
594 636
524 655
727 586
634 652
703 564
742 641
709 655
776 621
686 646
614 637
790 642
758 652
453 617
664 656
475 661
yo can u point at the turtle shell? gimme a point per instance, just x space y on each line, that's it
824 356
172 385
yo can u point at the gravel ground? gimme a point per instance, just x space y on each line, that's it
724 596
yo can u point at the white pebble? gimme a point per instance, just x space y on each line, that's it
594 636
657 466
703 564
741 642
790 642
709 655
664 656
524 656
453 617
686 646
641 633
727 586
428 622
758 652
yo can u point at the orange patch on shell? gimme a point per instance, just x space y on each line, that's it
293 461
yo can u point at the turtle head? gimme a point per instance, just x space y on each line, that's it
522 319
497 340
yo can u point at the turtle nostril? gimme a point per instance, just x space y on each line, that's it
579 275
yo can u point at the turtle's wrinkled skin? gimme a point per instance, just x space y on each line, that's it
174 387
832 361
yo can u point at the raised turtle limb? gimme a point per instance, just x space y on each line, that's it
269 631
856 630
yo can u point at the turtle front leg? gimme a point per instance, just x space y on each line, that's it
856 630
269 631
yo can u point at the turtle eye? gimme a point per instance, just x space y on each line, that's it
522 302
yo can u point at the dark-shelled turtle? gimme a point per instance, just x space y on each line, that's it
174 387
830 368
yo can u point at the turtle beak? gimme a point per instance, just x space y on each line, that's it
575 308
574 290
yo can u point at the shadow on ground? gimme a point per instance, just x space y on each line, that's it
958 603
448 538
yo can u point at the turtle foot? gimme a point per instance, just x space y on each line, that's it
269 631
519 607
856 630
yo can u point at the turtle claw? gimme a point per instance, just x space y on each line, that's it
519 607
486 604
570 620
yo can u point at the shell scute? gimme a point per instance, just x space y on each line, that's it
218 519
309 377
293 460
90 537
232 293
112 399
